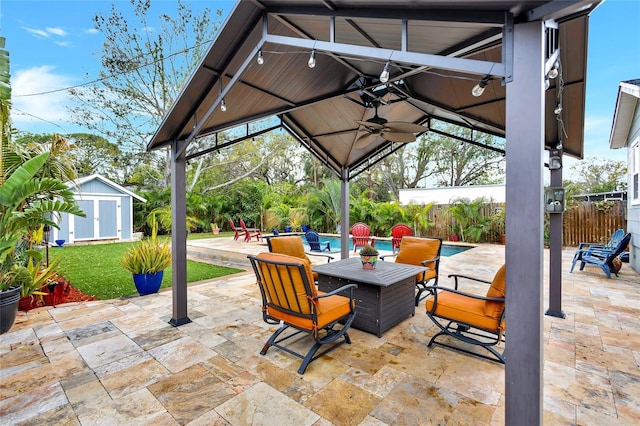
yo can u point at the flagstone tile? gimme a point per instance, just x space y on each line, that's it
261 405
190 393
179 354
108 350
25 405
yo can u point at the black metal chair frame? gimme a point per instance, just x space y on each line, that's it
326 335
465 332
421 285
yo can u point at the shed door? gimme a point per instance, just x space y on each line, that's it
84 226
108 218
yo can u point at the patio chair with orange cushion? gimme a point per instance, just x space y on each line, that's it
292 246
236 229
290 299
361 234
250 232
471 318
420 251
397 232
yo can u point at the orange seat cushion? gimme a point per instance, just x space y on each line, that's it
465 309
414 250
329 309
291 246
268 270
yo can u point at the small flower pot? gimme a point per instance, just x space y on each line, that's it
8 307
368 261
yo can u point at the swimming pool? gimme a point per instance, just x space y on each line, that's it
385 245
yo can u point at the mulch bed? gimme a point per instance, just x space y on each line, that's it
58 294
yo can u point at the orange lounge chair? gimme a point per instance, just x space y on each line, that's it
361 234
290 299
250 232
470 318
397 232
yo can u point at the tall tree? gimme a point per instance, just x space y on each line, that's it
595 174
143 69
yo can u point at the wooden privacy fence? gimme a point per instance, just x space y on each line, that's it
593 221
583 222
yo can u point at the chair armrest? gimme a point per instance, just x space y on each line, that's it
329 257
435 259
388 255
338 290
458 276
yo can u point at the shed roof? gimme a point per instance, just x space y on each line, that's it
76 184
438 50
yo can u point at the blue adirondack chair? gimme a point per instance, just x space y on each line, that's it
604 260
313 239
598 249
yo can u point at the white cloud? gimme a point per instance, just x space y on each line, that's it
57 31
63 43
36 32
31 113
92 31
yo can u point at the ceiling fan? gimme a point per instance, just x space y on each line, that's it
393 131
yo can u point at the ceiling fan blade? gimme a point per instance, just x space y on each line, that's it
399 136
366 140
399 126
369 124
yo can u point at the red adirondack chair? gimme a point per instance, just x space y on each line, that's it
397 232
361 234
250 232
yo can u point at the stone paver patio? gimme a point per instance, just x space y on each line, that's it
120 362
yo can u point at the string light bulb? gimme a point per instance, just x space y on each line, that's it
384 75
260 58
478 89
312 59
223 105
553 72
558 109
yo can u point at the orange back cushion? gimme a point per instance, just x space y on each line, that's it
413 250
291 246
284 284
498 290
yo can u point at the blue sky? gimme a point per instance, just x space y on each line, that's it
53 46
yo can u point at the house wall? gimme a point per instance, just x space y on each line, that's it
633 204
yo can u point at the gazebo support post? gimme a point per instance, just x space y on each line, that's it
524 226
178 235
344 214
555 253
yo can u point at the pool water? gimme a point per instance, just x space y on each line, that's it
447 249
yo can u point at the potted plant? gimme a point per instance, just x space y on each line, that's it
147 261
215 229
368 256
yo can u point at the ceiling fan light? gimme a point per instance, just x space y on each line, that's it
384 75
553 72
223 105
312 59
260 58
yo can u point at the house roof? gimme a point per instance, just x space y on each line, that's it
626 103
437 50
76 184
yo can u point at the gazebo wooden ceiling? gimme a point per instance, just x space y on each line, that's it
353 40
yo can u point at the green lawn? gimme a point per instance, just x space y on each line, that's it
96 269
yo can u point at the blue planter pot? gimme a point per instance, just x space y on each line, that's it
287 229
305 228
148 283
